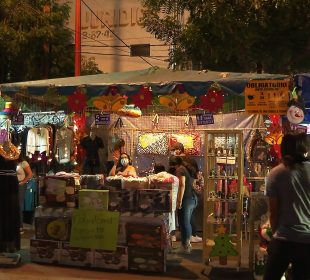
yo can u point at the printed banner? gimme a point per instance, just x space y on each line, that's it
95 229
267 97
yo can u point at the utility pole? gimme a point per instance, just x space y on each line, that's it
46 46
77 57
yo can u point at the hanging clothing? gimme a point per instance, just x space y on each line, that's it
91 163
64 144
31 196
9 207
38 140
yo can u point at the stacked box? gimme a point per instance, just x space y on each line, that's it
135 183
150 260
44 251
93 199
52 228
145 235
59 191
154 200
92 182
122 200
56 212
75 256
117 259
113 182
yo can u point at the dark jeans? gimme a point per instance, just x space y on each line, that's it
184 215
281 254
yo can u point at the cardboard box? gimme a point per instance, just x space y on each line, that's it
92 182
59 192
75 256
117 259
52 228
44 251
57 212
145 235
150 260
154 200
122 200
94 199
114 182
133 183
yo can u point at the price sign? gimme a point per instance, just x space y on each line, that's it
102 119
203 119
18 119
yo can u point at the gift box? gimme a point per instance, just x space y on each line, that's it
52 228
150 260
93 199
154 200
44 251
135 183
117 259
145 235
122 200
59 191
57 212
93 182
113 182
75 256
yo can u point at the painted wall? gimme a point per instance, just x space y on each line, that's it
122 18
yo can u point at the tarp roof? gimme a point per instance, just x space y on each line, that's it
161 80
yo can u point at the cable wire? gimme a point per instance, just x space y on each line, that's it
119 38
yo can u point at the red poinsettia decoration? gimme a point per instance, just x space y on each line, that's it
143 98
77 101
212 101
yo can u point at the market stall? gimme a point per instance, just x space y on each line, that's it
150 110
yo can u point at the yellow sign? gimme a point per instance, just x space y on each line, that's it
267 97
96 229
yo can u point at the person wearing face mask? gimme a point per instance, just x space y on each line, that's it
123 167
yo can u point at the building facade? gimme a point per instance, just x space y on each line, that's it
111 33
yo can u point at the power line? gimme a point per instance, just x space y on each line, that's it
119 38
104 44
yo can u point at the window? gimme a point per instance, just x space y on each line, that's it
140 50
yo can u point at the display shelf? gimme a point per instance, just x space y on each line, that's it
222 234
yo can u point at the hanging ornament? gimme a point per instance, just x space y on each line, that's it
213 101
130 110
179 100
77 101
112 101
143 98
296 111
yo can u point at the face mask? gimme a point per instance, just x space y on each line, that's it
124 161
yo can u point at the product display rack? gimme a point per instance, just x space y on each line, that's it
222 231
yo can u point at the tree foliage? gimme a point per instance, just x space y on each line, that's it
89 66
34 42
233 35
